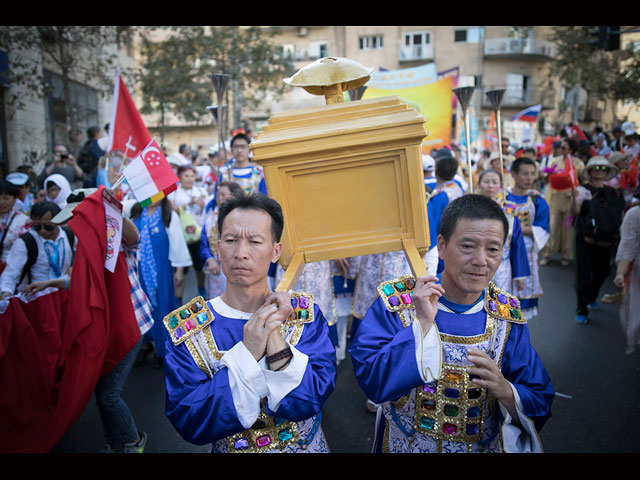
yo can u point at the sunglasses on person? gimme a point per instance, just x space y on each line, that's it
47 226
604 168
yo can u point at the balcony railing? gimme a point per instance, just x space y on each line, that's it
511 46
416 52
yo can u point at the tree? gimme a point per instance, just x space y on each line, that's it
581 62
170 81
85 54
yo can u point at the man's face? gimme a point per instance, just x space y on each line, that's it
44 227
240 150
505 147
60 151
471 257
525 176
246 247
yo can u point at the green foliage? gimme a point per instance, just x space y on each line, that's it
579 62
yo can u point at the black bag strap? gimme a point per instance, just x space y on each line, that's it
32 255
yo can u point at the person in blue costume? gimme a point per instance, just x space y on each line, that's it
514 268
447 190
249 370
448 357
162 256
533 211
240 168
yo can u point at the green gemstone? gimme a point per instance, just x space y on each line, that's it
514 313
450 410
400 287
388 289
174 322
259 425
303 314
428 423
285 434
184 314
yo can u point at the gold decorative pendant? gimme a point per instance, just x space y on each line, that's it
451 408
397 294
188 319
267 433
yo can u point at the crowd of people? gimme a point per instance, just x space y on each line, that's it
574 196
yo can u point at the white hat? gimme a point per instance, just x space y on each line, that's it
628 128
177 159
428 163
73 200
17 178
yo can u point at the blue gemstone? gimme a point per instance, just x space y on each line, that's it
473 412
451 392
294 302
241 443
472 429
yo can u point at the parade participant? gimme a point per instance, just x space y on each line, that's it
190 199
598 209
451 363
163 254
559 201
13 222
25 198
533 211
514 267
43 256
240 169
447 190
58 189
214 278
248 375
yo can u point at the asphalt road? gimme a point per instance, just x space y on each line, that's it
596 409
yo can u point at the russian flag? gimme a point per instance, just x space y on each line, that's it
528 114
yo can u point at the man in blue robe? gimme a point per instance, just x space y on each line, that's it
240 168
446 190
533 211
448 357
250 370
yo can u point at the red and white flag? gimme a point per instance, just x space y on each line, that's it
150 176
127 131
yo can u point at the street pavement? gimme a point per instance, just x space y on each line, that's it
596 410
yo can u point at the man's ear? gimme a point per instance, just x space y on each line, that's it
441 244
277 251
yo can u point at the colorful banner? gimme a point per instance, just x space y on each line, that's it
403 78
431 100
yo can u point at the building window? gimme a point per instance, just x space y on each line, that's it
416 46
370 42
468 35
85 103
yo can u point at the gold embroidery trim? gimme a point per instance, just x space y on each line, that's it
267 433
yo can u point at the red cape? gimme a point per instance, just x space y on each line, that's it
55 348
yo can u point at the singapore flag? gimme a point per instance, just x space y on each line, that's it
150 176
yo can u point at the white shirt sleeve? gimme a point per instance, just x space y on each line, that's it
15 262
521 438
247 382
178 252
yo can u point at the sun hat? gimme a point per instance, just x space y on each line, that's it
599 161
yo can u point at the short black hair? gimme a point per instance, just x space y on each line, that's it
8 188
237 136
446 166
254 201
93 131
471 207
518 162
40 209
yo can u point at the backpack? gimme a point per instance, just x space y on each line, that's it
603 218
85 160
32 252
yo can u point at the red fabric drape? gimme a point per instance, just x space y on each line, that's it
54 349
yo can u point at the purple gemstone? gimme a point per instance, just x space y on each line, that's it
304 302
429 387
393 301
179 332
241 443
502 298
513 302
263 440
492 306
449 428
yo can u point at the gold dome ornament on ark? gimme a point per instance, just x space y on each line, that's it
331 77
